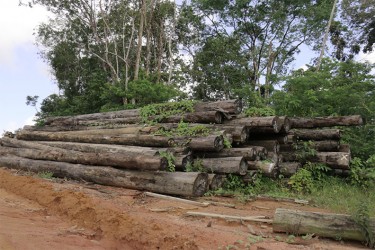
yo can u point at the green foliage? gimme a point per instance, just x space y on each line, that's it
362 173
183 129
45 175
362 219
233 183
263 111
164 110
304 150
302 181
170 159
196 166
319 171
227 143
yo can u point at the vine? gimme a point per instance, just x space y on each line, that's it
170 159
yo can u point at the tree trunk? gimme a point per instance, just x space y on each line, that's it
131 161
287 169
286 124
216 181
126 139
339 160
208 143
228 165
316 134
270 145
281 139
323 146
174 183
328 121
345 148
229 106
253 122
195 117
248 153
321 224
266 167
142 17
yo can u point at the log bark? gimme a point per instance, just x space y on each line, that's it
248 153
195 117
327 121
208 143
345 148
230 106
286 124
261 152
321 224
253 122
316 134
267 168
287 169
251 176
126 139
228 165
174 183
131 161
323 146
338 160
215 181
270 145
281 139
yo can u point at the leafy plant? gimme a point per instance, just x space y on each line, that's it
362 219
227 143
45 175
304 150
196 166
170 159
302 181
263 111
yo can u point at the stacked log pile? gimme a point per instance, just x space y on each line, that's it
116 148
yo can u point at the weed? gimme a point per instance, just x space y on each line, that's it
170 159
302 181
45 175
227 143
265 111
362 219
196 166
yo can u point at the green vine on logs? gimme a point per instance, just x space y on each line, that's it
170 159
155 113
183 129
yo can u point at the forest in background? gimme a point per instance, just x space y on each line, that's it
120 54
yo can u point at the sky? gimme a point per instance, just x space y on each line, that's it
23 72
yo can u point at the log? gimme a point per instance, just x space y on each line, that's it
174 183
195 117
208 143
216 181
230 106
260 152
344 148
252 122
339 160
286 124
281 139
267 168
132 161
287 169
323 146
229 165
327 121
126 139
251 177
270 145
165 197
321 224
248 153
274 157
182 160
231 217
316 134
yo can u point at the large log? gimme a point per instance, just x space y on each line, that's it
228 165
195 117
125 139
339 160
208 143
252 122
270 145
230 106
327 121
287 169
174 183
286 124
282 139
267 168
323 146
248 153
321 224
132 161
216 181
315 134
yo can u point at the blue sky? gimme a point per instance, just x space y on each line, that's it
23 72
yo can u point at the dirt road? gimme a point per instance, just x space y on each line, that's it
59 214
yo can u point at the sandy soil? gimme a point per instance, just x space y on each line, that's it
59 214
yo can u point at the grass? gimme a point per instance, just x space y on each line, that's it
45 175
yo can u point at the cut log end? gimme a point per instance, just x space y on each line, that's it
200 184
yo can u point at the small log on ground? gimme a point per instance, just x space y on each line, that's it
174 183
248 153
270 145
132 161
216 181
231 217
269 121
287 169
230 106
316 134
125 139
321 224
229 165
267 168
327 121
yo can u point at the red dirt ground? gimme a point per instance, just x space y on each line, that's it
59 214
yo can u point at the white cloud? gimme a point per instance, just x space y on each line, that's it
17 24
14 125
370 57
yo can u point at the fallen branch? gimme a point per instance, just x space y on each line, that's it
231 217
166 197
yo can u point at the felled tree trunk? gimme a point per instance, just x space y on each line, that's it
339 160
248 153
131 161
195 117
175 183
216 181
281 139
270 145
230 106
208 143
328 121
320 224
253 122
267 168
125 139
228 165
323 146
316 134
287 169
